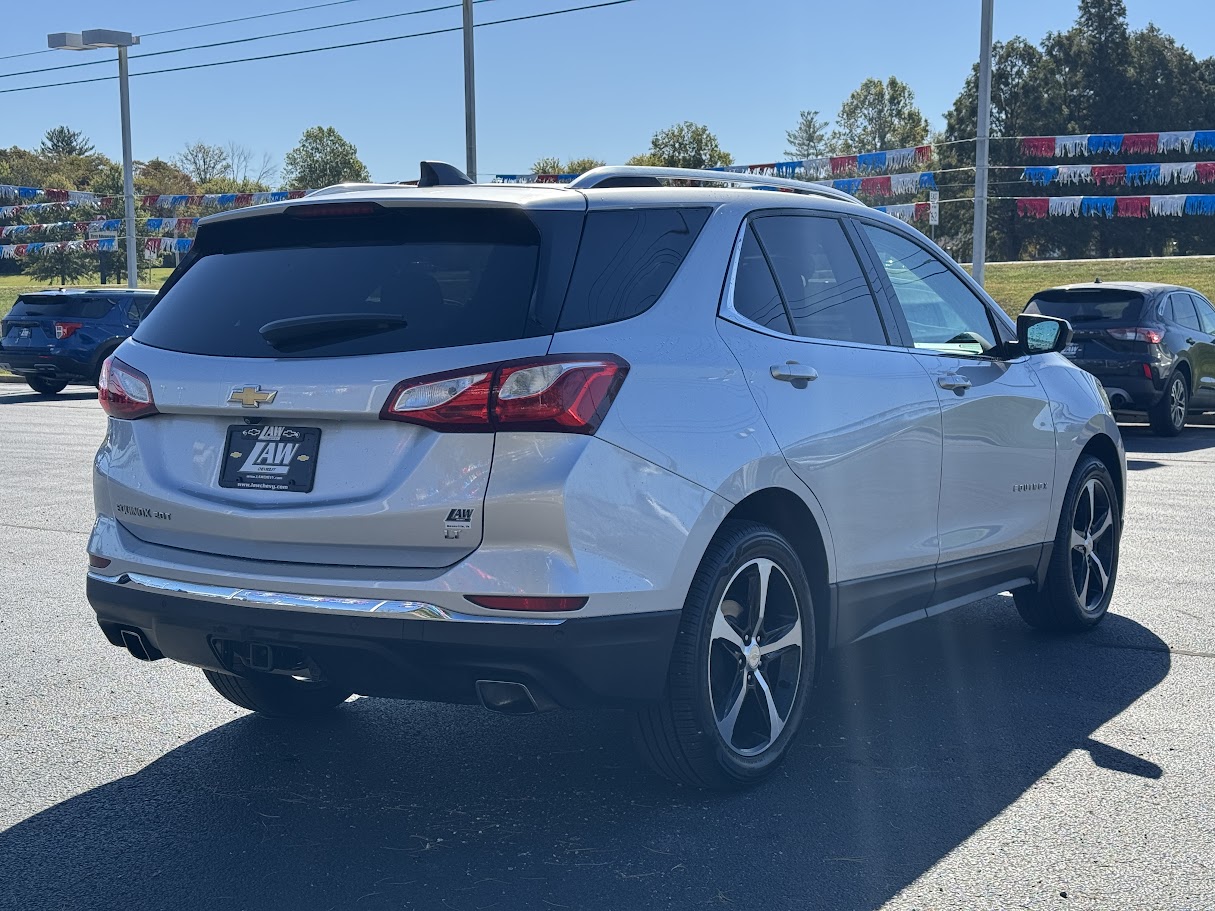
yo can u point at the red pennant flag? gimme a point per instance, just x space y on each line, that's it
149 202
1133 206
923 210
151 245
108 200
1035 207
19 250
194 200
56 195
1039 146
91 245
843 164
1206 171
296 194
82 226
876 186
1112 175
1140 143
923 153
185 224
244 199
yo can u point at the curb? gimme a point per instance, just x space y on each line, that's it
9 378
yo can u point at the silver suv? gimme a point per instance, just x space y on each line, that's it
633 442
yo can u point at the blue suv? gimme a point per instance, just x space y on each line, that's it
53 338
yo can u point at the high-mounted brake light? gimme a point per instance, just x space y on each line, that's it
563 394
65 330
124 392
527 602
334 209
1138 334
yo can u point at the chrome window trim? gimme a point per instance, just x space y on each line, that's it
318 604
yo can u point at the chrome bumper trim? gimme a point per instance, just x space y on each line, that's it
412 610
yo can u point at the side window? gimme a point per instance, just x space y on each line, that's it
755 294
1184 312
1206 314
625 261
135 310
1166 309
943 314
827 294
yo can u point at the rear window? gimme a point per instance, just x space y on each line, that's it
1088 306
61 306
431 277
626 260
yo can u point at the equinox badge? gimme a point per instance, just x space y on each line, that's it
251 396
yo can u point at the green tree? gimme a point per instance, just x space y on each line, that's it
63 267
808 139
547 165
878 116
156 177
321 159
582 165
60 142
684 145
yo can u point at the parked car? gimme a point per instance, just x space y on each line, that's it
614 443
1151 346
55 338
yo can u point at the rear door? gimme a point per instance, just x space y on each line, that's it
855 415
272 353
999 439
1201 339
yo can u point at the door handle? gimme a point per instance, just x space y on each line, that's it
793 372
953 381
1191 341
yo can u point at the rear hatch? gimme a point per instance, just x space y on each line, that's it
1093 313
31 324
276 346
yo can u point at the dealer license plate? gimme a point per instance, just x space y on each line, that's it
1071 350
270 457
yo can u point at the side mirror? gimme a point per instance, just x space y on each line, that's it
1042 334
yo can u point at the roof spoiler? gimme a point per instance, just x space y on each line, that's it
442 174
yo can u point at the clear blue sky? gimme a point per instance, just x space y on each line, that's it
593 83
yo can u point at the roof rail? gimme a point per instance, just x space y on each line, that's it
599 176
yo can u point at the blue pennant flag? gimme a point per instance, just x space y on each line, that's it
1140 174
1040 176
848 185
871 161
1098 205
1200 205
1110 142
928 181
1204 141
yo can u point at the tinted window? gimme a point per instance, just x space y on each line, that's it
822 281
625 261
1088 306
755 294
61 306
445 277
1206 314
1184 312
942 313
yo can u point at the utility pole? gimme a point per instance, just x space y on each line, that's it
982 150
470 94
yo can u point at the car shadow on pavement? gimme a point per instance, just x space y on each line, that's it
25 398
920 738
1139 438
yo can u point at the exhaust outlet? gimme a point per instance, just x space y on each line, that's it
506 698
138 647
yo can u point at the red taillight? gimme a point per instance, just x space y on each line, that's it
527 602
1137 334
566 394
98 562
123 391
65 330
1147 371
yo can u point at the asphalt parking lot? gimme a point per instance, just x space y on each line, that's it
965 762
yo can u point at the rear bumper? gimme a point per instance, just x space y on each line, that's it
37 362
408 650
1129 393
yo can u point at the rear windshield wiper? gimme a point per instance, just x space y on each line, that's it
299 332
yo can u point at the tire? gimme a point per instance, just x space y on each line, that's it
1167 416
1080 556
278 696
44 386
713 726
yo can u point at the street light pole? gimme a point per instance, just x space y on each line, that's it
90 40
128 170
470 94
982 149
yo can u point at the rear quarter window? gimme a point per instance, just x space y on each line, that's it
626 259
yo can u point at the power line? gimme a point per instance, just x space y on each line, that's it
199 47
331 47
186 28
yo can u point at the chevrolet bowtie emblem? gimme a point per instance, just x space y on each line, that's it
251 396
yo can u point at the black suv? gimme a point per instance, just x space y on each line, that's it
1152 346
56 337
